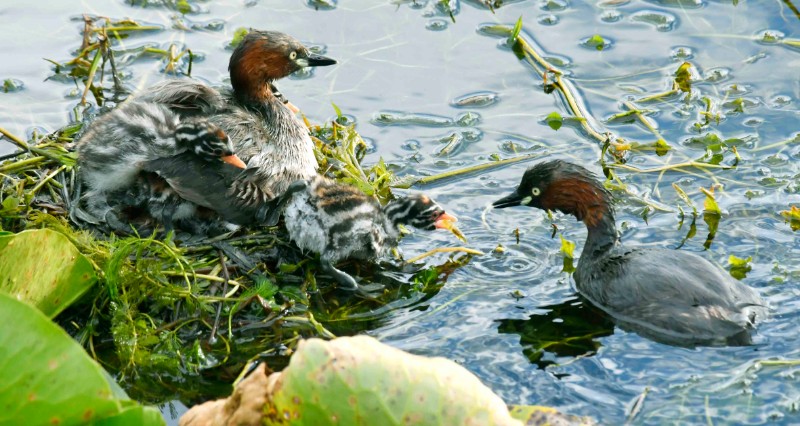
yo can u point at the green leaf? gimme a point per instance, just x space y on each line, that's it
662 147
568 249
183 6
238 36
738 105
793 217
541 415
341 381
597 41
554 120
683 77
43 268
740 267
710 204
512 38
52 380
338 111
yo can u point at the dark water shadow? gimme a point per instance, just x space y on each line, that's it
567 330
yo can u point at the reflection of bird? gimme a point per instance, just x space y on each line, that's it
118 147
341 222
672 296
266 134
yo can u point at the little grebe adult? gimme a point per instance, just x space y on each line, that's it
670 296
340 222
117 147
265 133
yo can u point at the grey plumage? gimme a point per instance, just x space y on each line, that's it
265 133
340 222
675 297
113 152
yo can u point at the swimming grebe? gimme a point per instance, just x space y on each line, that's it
116 148
340 222
265 133
675 297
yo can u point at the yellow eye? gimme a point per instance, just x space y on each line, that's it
293 56
536 191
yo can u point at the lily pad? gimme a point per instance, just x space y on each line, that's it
42 267
49 379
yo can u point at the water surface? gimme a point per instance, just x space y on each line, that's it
414 80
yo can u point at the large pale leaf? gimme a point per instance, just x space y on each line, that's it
42 267
360 381
47 378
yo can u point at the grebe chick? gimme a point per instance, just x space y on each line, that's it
340 222
674 297
113 151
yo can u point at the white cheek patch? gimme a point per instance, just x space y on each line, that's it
303 62
527 200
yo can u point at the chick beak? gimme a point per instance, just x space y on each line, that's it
510 200
315 60
444 221
235 161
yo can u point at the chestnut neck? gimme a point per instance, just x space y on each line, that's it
590 203
252 92
253 68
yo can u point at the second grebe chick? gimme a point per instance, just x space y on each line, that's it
671 296
340 222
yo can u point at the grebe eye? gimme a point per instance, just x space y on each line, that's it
293 56
536 191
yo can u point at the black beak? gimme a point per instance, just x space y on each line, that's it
315 60
508 201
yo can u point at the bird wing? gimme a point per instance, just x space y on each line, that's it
186 97
682 294
206 184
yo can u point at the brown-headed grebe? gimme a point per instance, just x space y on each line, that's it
266 134
671 296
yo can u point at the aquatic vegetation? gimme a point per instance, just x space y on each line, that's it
61 383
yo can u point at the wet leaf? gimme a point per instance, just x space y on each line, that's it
597 41
53 380
682 194
238 36
540 415
740 267
512 38
662 147
43 268
183 6
793 217
683 77
710 203
554 120
738 105
337 382
567 249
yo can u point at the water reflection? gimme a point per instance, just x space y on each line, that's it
569 329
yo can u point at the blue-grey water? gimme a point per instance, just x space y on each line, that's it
407 57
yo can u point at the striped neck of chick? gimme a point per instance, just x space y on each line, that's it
417 210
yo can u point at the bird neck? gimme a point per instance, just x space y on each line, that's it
587 200
396 213
252 93
602 233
